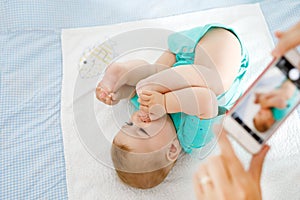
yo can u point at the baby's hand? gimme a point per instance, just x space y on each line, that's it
153 103
144 116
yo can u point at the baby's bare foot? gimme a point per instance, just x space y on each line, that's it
105 95
110 84
115 77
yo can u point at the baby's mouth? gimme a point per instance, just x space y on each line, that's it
144 117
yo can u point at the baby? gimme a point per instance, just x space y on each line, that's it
274 105
202 65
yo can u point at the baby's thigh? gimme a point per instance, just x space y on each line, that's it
220 50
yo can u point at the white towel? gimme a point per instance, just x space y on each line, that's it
89 179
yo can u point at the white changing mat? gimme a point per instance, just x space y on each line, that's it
89 179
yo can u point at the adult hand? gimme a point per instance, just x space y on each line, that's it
287 40
223 176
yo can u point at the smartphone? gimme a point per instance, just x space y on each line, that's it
266 104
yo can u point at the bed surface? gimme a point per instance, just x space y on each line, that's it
32 162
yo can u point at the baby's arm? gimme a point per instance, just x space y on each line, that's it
198 101
120 79
136 70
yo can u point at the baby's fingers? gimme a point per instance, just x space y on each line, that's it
145 97
144 108
145 118
143 102
147 92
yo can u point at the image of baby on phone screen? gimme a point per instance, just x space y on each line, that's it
274 105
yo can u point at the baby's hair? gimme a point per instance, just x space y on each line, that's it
142 180
262 127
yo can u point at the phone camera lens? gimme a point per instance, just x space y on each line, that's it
294 74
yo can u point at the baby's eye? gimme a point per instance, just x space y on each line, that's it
129 123
143 131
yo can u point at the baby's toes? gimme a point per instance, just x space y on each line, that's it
112 98
100 94
104 97
108 100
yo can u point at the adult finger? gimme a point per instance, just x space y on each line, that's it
219 172
224 144
288 40
234 165
205 182
257 163
198 188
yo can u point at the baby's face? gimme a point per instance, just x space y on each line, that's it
264 117
144 137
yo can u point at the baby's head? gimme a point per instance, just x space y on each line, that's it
263 119
143 153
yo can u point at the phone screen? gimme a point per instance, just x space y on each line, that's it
269 101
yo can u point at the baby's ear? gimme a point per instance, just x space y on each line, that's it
174 150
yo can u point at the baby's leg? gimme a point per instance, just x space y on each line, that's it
111 98
179 81
181 77
111 85
120 79
220 50
217 61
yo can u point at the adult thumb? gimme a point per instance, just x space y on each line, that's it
257 163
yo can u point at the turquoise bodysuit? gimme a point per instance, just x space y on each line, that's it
193 132
279 114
